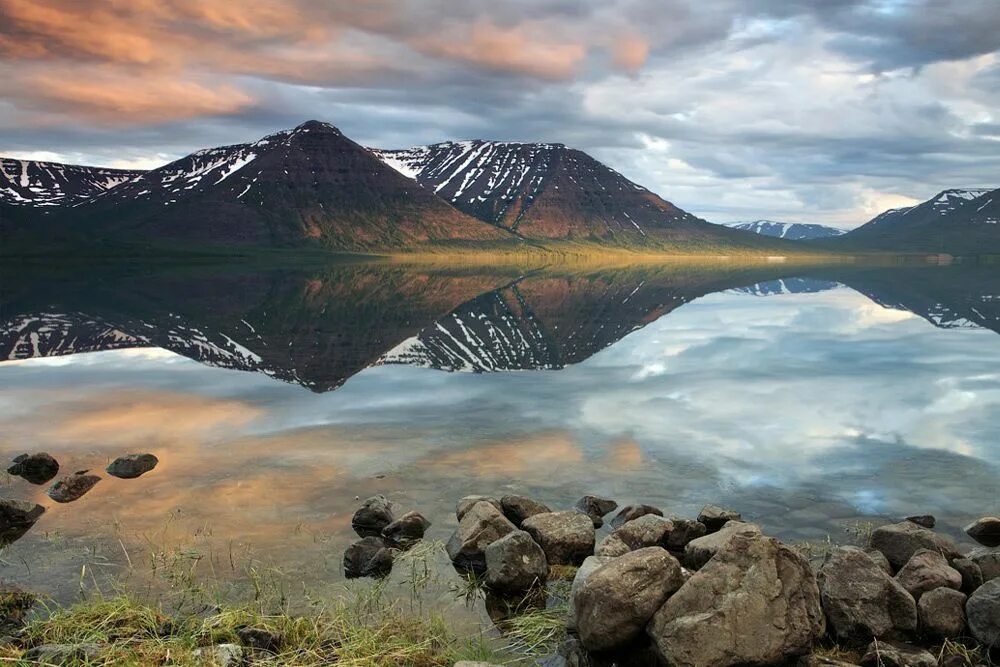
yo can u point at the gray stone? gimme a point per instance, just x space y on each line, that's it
368 557
63 654
899 541
942 612
648 530
480 526
589 565
222 655
515 563
861 600
131 466
72 487
925 571
986 531
519 508
983 612
566 537
630 512
372 517
260 639
896 654
755 603
714 517
683 532
925 520
16 518
36 468
988 561
972 576
881 561
612 546
466 503
700 551
617 600
596 508
407 529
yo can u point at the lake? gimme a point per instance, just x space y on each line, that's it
814 399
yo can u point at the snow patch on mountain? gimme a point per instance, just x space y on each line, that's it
795 231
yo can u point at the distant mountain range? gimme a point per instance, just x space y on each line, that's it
793 231
313 187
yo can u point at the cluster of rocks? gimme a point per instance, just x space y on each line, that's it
18 516
382 536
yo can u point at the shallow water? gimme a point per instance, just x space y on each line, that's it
809 398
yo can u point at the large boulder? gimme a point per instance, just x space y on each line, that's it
925 520
466 503
972 575
519 508
755 603
700 551
372 517
899 541
368 557
942 612
925 571
72 487
407 529
714 517
617 600
983 612
131 466
481 525
988 561
861 601
896 654
596 508
16 518
37 468
589 566
515 563
684 531
566 537
986 531
632 512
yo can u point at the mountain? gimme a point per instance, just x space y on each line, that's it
309 186
957 221
793 231
27 183
549 191
796 285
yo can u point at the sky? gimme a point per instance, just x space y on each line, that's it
823 111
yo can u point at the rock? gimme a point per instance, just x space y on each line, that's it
62 654
480 526
617 600
942 612
131 466
222 655
515 563
714 517
260 639
756 602
72 487
368 557
881 561
822 661
16 518
37 468
925 520
986 531
589 565
861 600
896 654
972 576
925 571
373 516
472 663
519 508
683 532
596 508
15 603
899 541
631 512
566 537
988 561
649 530
407 529
700 551
611 546
983 612
466 503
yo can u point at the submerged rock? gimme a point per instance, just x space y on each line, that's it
925 571
986 531
373 516
632 512
515 563
16 518
700 551
983 612
368 557
407 529
37 468
861 601
72 487
131 466
755 603
519 508
896 654
480 526
942 613
566 537
899 541
596 508
714 517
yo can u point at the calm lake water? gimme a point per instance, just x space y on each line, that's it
809 398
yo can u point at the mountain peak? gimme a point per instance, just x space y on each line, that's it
316 126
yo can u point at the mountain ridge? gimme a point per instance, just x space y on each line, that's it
793 231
